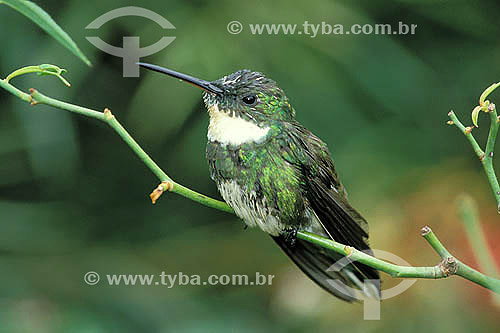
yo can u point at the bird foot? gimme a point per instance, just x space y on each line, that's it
290 236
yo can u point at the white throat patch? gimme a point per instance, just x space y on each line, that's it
233 130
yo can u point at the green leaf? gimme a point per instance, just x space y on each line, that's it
44 69
486 93
475 115
44 21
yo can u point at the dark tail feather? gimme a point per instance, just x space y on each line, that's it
317 262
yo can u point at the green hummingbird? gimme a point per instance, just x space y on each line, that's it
278 176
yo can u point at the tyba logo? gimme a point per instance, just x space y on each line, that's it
131 52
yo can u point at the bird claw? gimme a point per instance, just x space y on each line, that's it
290 236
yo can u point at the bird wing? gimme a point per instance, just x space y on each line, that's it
326 197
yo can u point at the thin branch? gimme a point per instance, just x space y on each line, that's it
467 131
486 157
434 242
448 266
109 118
467 208
35 97
470 217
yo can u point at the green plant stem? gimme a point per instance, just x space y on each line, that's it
38 98
488 154
469 215
486 157
449 265
14 91
434 272
44 69
468 134
201 198
435 243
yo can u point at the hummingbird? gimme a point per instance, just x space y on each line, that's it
278 176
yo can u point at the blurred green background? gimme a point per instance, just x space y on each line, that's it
74 198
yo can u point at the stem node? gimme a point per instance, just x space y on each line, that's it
158 191
425 231
448 266
107 114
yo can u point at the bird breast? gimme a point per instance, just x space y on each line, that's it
233 130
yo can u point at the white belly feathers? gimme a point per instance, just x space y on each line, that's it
233 130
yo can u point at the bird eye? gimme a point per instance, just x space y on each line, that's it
249 99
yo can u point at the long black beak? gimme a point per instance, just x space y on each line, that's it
205 85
